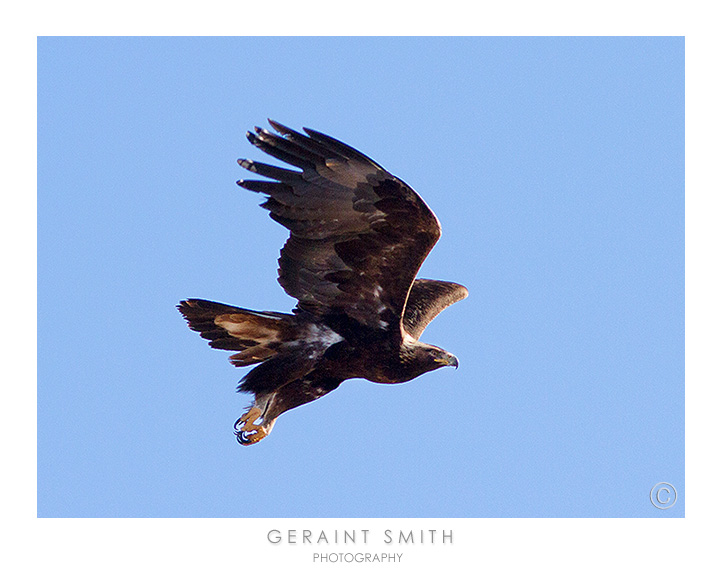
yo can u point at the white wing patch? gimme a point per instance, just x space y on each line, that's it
324 335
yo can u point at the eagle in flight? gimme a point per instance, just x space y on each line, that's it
358 238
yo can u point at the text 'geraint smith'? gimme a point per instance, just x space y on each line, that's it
358 536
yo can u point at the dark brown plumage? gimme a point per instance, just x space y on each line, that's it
358 236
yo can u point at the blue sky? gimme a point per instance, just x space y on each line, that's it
556 167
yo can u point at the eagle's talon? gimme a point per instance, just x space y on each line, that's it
248 433
246 438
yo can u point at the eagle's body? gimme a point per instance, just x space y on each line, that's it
358 237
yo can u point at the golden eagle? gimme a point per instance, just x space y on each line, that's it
358 238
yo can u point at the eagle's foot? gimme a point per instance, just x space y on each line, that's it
247 431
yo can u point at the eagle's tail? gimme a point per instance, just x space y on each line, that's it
290 347
256 335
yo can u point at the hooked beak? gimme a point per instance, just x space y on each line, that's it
450 361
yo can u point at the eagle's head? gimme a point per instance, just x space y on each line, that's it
442 358
423 358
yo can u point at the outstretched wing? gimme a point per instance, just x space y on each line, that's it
358 234
427 298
